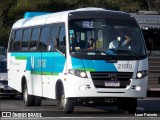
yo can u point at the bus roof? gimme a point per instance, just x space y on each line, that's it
48 18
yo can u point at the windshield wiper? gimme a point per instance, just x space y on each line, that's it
128 52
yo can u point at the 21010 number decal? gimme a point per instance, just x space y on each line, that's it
124 66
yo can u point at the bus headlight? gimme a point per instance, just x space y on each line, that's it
138 88
141 74
79 73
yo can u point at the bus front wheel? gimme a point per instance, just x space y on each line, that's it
127 104
65 104
29 100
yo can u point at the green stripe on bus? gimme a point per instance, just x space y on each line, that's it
88 69
21 58
44 73
36 72
50 73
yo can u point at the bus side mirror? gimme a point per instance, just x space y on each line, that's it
49 48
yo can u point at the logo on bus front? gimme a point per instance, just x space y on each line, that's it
38 62
113 77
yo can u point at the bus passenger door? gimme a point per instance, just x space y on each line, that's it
48 74
47 46
35 85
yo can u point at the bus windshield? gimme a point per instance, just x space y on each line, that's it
107 37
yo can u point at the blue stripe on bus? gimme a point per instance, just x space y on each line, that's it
43 62
93 65
55 61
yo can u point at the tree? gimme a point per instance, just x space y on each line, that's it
13 10
153 5
5 27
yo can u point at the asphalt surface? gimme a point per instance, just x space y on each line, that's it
148 108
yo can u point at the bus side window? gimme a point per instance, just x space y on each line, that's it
17 41
26 39
53 39
62 39
12 37
44 38
34 39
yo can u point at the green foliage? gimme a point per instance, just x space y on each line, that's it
4 21
13 10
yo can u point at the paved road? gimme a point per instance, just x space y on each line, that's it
146 107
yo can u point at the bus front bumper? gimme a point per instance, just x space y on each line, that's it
85 88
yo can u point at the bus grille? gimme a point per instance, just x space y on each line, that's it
99 79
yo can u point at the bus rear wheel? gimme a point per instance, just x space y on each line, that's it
29 100
65 104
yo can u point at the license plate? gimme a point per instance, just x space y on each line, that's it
112 83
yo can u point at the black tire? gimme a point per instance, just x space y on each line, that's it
132 105
38 101
29 100
65 104
129 105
